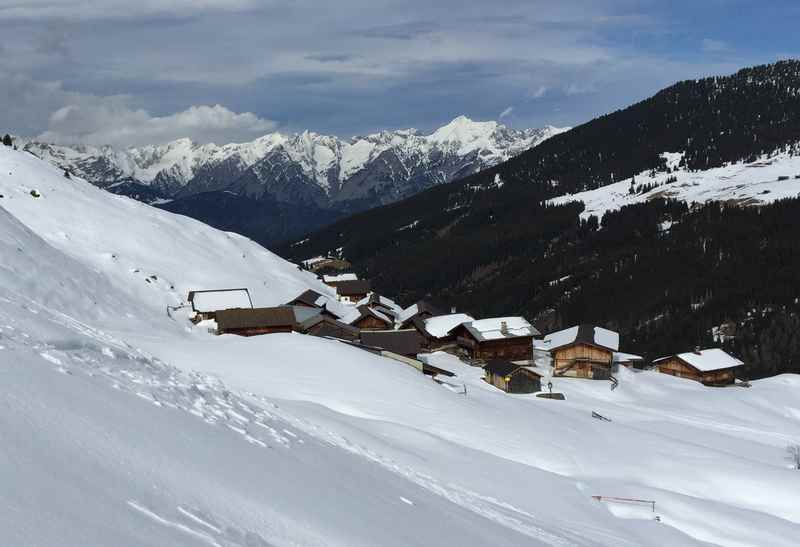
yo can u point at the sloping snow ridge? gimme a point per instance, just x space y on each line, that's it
767 179
125 425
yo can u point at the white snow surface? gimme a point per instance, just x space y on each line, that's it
440 325
492 328
340 277
707 360
122 426
215 300
748 183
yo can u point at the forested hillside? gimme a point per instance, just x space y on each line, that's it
490 243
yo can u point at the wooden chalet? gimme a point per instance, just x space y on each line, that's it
256 321
365 318
437 332
353 291
421 310
206 303
328 327
496 338
512 377
583 351
711 367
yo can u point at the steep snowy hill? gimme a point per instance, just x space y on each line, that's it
123 426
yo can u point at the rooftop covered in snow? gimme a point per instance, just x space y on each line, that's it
497 328
707 360
582 334
219 299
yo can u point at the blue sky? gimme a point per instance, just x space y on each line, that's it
128 73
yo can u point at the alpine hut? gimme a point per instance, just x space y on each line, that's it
353 291
496 338
583 351
712 367
512 377
255 321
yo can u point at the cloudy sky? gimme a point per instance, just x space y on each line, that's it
148 71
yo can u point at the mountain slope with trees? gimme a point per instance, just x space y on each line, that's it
492 243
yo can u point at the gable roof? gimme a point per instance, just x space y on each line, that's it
423 306
403 342
494 328
279 316
583 334
353 287
365 311
504 368
441 325
219 299
375 299
311 322
311 298
707 360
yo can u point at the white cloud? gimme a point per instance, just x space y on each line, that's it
506 112
114 9
538 93
714 46
111 121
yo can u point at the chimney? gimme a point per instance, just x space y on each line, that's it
697 350
504 327
452 309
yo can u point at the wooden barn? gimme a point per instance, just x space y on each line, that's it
511 377
365 318
256 321
496 338
712 367
314 300
353 291
207 303
583 351
324 326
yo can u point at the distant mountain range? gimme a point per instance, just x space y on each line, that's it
300 175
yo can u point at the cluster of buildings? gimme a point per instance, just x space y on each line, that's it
508 348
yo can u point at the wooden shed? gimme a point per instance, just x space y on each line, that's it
353 291
583 351
511 377
712 367
496 338
207 303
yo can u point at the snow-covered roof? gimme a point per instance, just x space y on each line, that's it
376 299
587 334
621 357
440 325
339 277
408 313
707 360
495 328
222 299
363 311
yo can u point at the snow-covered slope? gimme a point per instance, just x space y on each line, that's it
123 426
764 180
307 165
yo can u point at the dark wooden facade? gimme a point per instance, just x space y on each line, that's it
370 322
512 378
582 360
675 366
516 348
324 326
254 322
